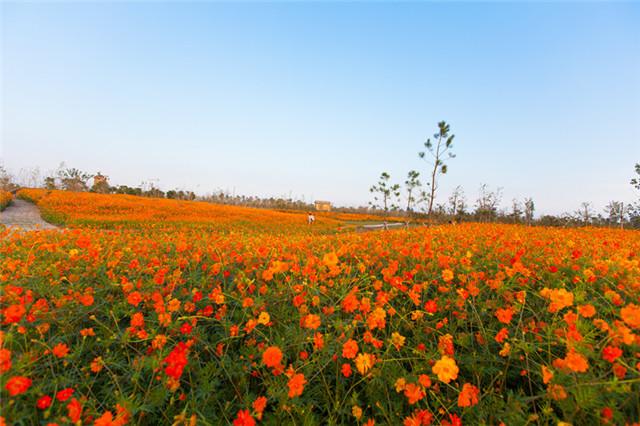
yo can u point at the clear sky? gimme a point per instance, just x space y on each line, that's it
316 99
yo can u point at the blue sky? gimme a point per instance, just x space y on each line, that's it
316 99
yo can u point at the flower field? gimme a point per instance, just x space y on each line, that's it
163 312
112 211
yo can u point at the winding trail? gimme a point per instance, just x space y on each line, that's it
24 216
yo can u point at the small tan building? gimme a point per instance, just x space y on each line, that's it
323 206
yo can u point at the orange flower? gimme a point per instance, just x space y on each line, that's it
446 369
576 362
173 305
296 385
504 315
107 419
97 364
424 380
557 392
60 350
5 360
547 375
137 320
560 298
413 392
356 411
159 341
318 341
573 361
468 396
420 418
17 385
74 410
134 298
445 344
397 340
631 315
272 356
377 319
364 362
330 259
447 275
502 335
259 405
586 311
350 349
86 332
311 321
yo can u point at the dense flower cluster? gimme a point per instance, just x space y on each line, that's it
5 199
464 324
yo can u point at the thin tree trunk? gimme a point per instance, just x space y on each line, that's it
433 177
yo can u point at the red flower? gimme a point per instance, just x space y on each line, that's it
186 328
176 361
13 314
44 402
5 360
17 385
346 370
64 394
431 306
60 350
607 414
243 418
611 353
74 410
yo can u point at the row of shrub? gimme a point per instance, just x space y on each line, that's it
5 199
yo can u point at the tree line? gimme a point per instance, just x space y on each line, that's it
412 199
74 179
418 200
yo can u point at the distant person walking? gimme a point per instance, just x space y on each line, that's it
310 218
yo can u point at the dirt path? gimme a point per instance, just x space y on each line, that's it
24 215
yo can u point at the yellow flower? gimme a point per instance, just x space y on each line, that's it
446 369
264 318
356 411
397 339
400 384
506 350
